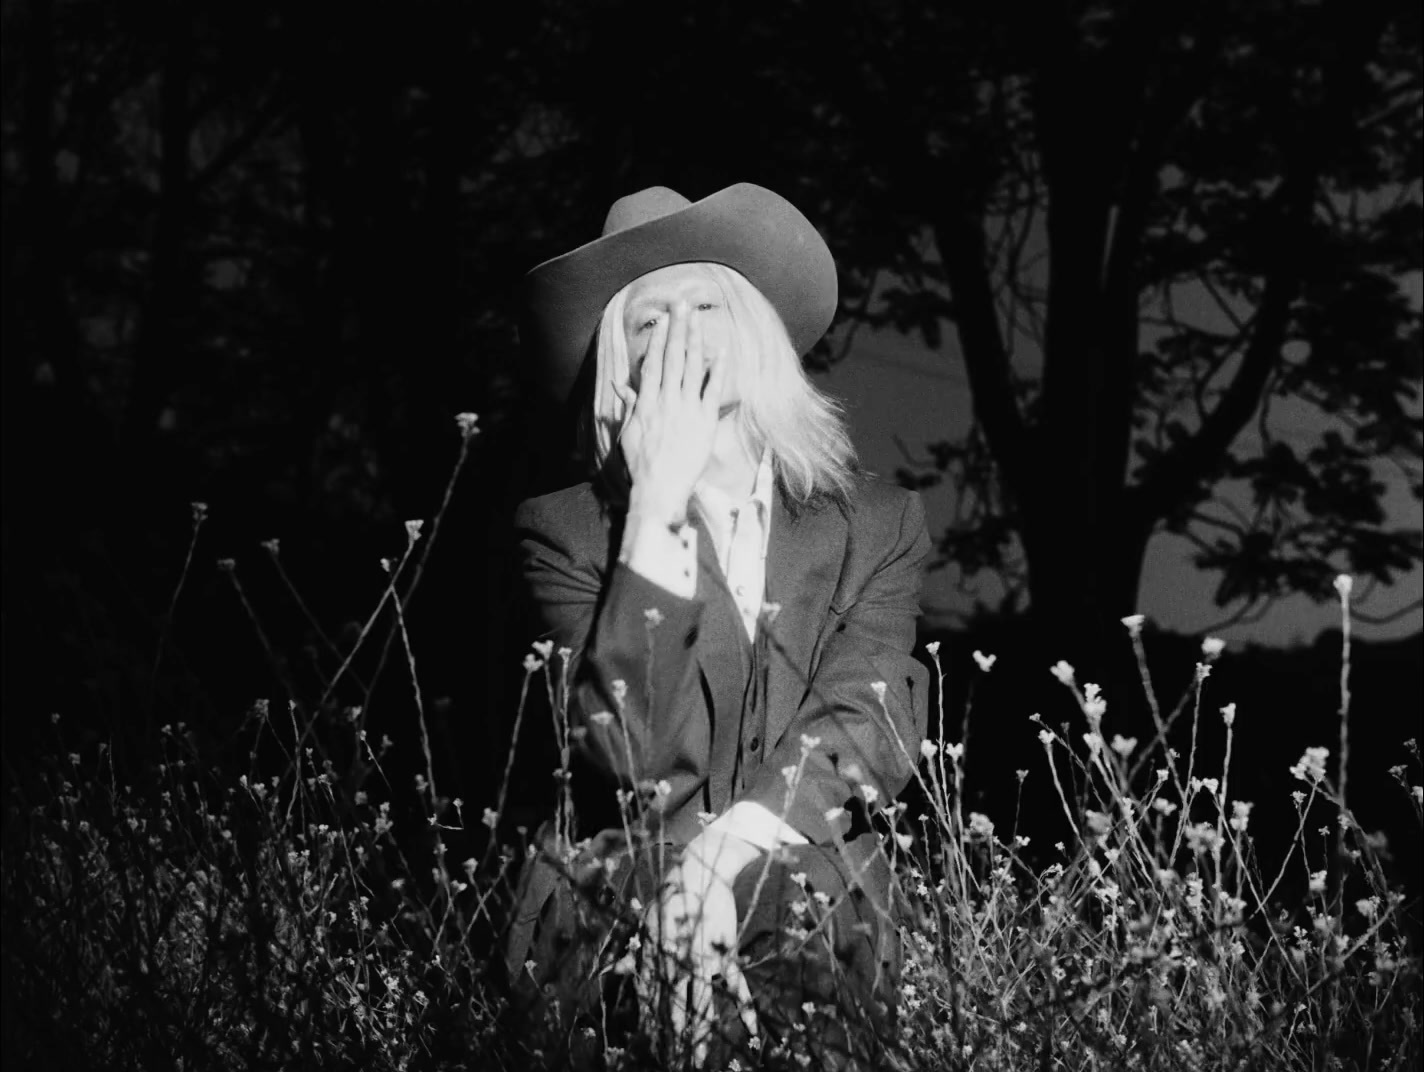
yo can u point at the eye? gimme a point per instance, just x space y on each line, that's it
704 306
646 324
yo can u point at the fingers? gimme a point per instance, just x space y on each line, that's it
700 1015
712 394
696 364
675 350
742 994
689 938
627 396
650 379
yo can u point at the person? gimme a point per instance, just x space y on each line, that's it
736 599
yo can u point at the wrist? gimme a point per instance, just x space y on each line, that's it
723 853
657 508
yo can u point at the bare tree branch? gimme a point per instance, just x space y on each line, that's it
1387 619
961 248
1251 612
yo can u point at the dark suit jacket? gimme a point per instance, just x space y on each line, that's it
848 585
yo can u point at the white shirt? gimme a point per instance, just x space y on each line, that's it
741 532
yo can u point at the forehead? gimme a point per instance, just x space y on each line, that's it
670 283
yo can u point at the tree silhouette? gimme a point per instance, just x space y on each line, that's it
1148 225
258 256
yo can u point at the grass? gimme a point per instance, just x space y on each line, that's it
287 911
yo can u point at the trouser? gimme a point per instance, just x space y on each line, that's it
819 945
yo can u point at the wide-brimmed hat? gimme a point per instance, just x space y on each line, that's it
746 227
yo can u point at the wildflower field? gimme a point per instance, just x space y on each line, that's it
263 897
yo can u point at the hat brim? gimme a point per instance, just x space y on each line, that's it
746 227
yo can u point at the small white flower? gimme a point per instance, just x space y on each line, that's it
532 663
490 818
1311 765
980 825
1209 784
663 789
1201 837
1123 746
789 773
544 647
954 751
878 687
986 662
904 841
601 718
1343 583
932 647
412 530
653 616
1240 814
468 423
809 744
1163 806
1047 737
869 792
1134 624
1228 714
620 689
1317 882
928 749
1367 906
1063 671
1212 647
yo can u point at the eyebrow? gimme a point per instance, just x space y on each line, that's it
655 298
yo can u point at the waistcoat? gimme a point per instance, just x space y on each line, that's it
739 741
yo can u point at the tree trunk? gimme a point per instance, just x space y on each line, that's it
156 354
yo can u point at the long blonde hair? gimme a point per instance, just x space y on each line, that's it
811 453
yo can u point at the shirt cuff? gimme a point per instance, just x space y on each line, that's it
758 825
666 556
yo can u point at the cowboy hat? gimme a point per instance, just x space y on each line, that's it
746 227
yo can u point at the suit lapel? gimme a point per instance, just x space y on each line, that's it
803 565
723 651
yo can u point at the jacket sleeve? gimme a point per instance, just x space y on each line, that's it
860 739
632 670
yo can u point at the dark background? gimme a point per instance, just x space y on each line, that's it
260 255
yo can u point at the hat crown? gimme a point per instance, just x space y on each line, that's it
643 207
